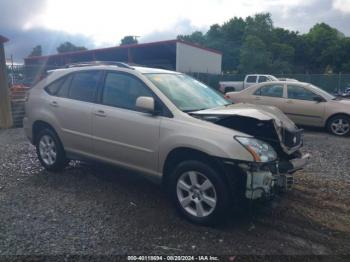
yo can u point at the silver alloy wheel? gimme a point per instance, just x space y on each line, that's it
196 194
340 126
47 150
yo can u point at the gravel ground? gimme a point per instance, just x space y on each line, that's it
90 209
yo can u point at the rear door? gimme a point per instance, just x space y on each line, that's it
270 94
73 104
122 133
302 108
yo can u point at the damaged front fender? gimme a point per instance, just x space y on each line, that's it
265 123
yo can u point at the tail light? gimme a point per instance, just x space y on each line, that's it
227 96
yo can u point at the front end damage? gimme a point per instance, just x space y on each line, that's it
268 124
265 181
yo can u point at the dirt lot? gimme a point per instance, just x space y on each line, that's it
88 209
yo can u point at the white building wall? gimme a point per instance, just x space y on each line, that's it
190 59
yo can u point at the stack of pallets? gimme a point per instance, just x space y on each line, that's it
18 98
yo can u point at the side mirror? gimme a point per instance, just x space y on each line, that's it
318 99
146 103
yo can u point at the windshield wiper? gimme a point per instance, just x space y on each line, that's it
200 109
194 110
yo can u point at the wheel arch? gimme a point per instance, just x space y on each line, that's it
180 154
334 115
39 125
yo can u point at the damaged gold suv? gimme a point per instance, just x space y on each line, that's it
207 153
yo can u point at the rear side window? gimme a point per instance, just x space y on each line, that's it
64 89
53 88
270 90
251 79
83 86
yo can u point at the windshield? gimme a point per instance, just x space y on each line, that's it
325 94
187 93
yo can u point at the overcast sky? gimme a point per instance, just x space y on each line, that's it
101 23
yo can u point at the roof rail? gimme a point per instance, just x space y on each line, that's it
94 63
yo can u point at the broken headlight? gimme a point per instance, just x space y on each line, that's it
260 150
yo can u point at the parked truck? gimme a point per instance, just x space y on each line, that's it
231 86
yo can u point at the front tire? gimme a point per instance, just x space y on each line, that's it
339 125
199 193
50 151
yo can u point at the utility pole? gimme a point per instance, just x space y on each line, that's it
5 105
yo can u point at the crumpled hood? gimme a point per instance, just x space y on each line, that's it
266 123
259 112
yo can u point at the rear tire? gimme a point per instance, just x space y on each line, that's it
50 151
199 193
339 125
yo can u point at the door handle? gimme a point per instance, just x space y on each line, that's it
54 104
257 98
100 113
289 102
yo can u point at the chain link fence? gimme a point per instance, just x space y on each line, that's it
25 76
329 82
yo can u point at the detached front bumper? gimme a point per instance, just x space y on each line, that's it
299 163
266 180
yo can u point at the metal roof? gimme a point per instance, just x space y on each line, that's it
132 46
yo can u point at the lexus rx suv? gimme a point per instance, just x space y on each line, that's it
207 153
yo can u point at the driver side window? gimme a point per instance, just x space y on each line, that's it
122 90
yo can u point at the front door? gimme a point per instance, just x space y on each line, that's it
270 94
302 108
122 134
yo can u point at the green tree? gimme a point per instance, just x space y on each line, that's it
282 58
254 56
37 51
343 56
255 44
128 40
324 41
69 47
230 42
260 25
196 37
